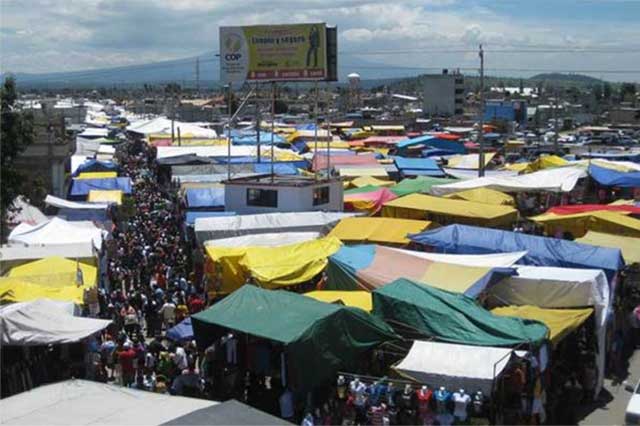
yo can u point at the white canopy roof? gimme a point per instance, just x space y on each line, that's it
162 125
82 402
264 240
214 151
71 251
455 366
57 231
213 228
66 204
494 260
473 174
561 179
23 211
44 322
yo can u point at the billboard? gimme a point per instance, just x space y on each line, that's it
296 52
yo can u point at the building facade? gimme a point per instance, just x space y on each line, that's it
443 94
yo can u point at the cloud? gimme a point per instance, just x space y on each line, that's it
50 35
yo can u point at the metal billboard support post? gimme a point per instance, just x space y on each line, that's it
258 121
315 133
273 125
481 130
330 137
229 132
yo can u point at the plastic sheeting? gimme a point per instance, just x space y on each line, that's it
23 212
97 175
560 322
609 177
451 317
213 228
191 216
319 338
377 229
359 182
579 224
541 251
44 322
370 202
455 366
81 187
498 260
320 161
464 174
73 205
630 246
264 240
417 185
367 267
21 290
484 196
55 272
377 172
57 231
356 299
271 267
205 197
469 161
562 179
442 210
584 208
181 332
98 196
89 166
418 166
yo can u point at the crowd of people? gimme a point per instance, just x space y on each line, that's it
148 287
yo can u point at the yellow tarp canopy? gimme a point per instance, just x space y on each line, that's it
357 299
272 267
623 203
516 167
444 211
560 322
105 196
630 246
600 221
20 290
546 162
383 230
361 181
379 172
54 272
97 175
483 195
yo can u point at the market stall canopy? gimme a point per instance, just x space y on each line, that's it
562 179
541 251
44 322
61 203
361 181
609 177
418 166
451 317
57 231
369 202
630 246
321 160
82 187
264 240
272 267
228 413
560 322
418 185
367 267
11 255
379 171
469 161
382 230
22 211
97 175
181 332
578 224
464 174
484 196
21 290
357 298
164 126
546 162
497 260
90 166
455 366
319 338
105 196
55 271
205 197
585 208
212 228
443 210
83 402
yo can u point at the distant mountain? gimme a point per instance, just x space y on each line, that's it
579 79
182 71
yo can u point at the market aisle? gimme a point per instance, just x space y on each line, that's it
613 412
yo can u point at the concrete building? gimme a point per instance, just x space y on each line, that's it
267 194
443 94
625 115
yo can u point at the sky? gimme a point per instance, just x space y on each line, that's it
597 37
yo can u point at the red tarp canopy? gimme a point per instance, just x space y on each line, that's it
585 208
320 160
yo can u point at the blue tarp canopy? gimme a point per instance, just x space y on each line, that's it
193 215
205 197
609 177
433 142
251 138
435 152
181 332
300 164
81 187
541 251
95 166
418 166
307 126
80 214
614 156
279 168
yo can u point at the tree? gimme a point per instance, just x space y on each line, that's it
627 92
606 91
16 135
597 92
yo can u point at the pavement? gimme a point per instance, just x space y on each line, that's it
614 398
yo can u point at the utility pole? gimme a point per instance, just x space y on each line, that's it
315 130
481 130
555 121
258 121
273 125
198 76
229 132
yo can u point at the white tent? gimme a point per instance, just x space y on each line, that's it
11 256
264 240
73 205
161 125
81 402
213 228
57 231
561 179
216 151
44 322
551 287
465 174
494 260
455 366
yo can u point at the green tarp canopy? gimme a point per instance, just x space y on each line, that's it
421 184
319 338
451 317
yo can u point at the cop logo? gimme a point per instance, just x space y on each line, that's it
232 44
